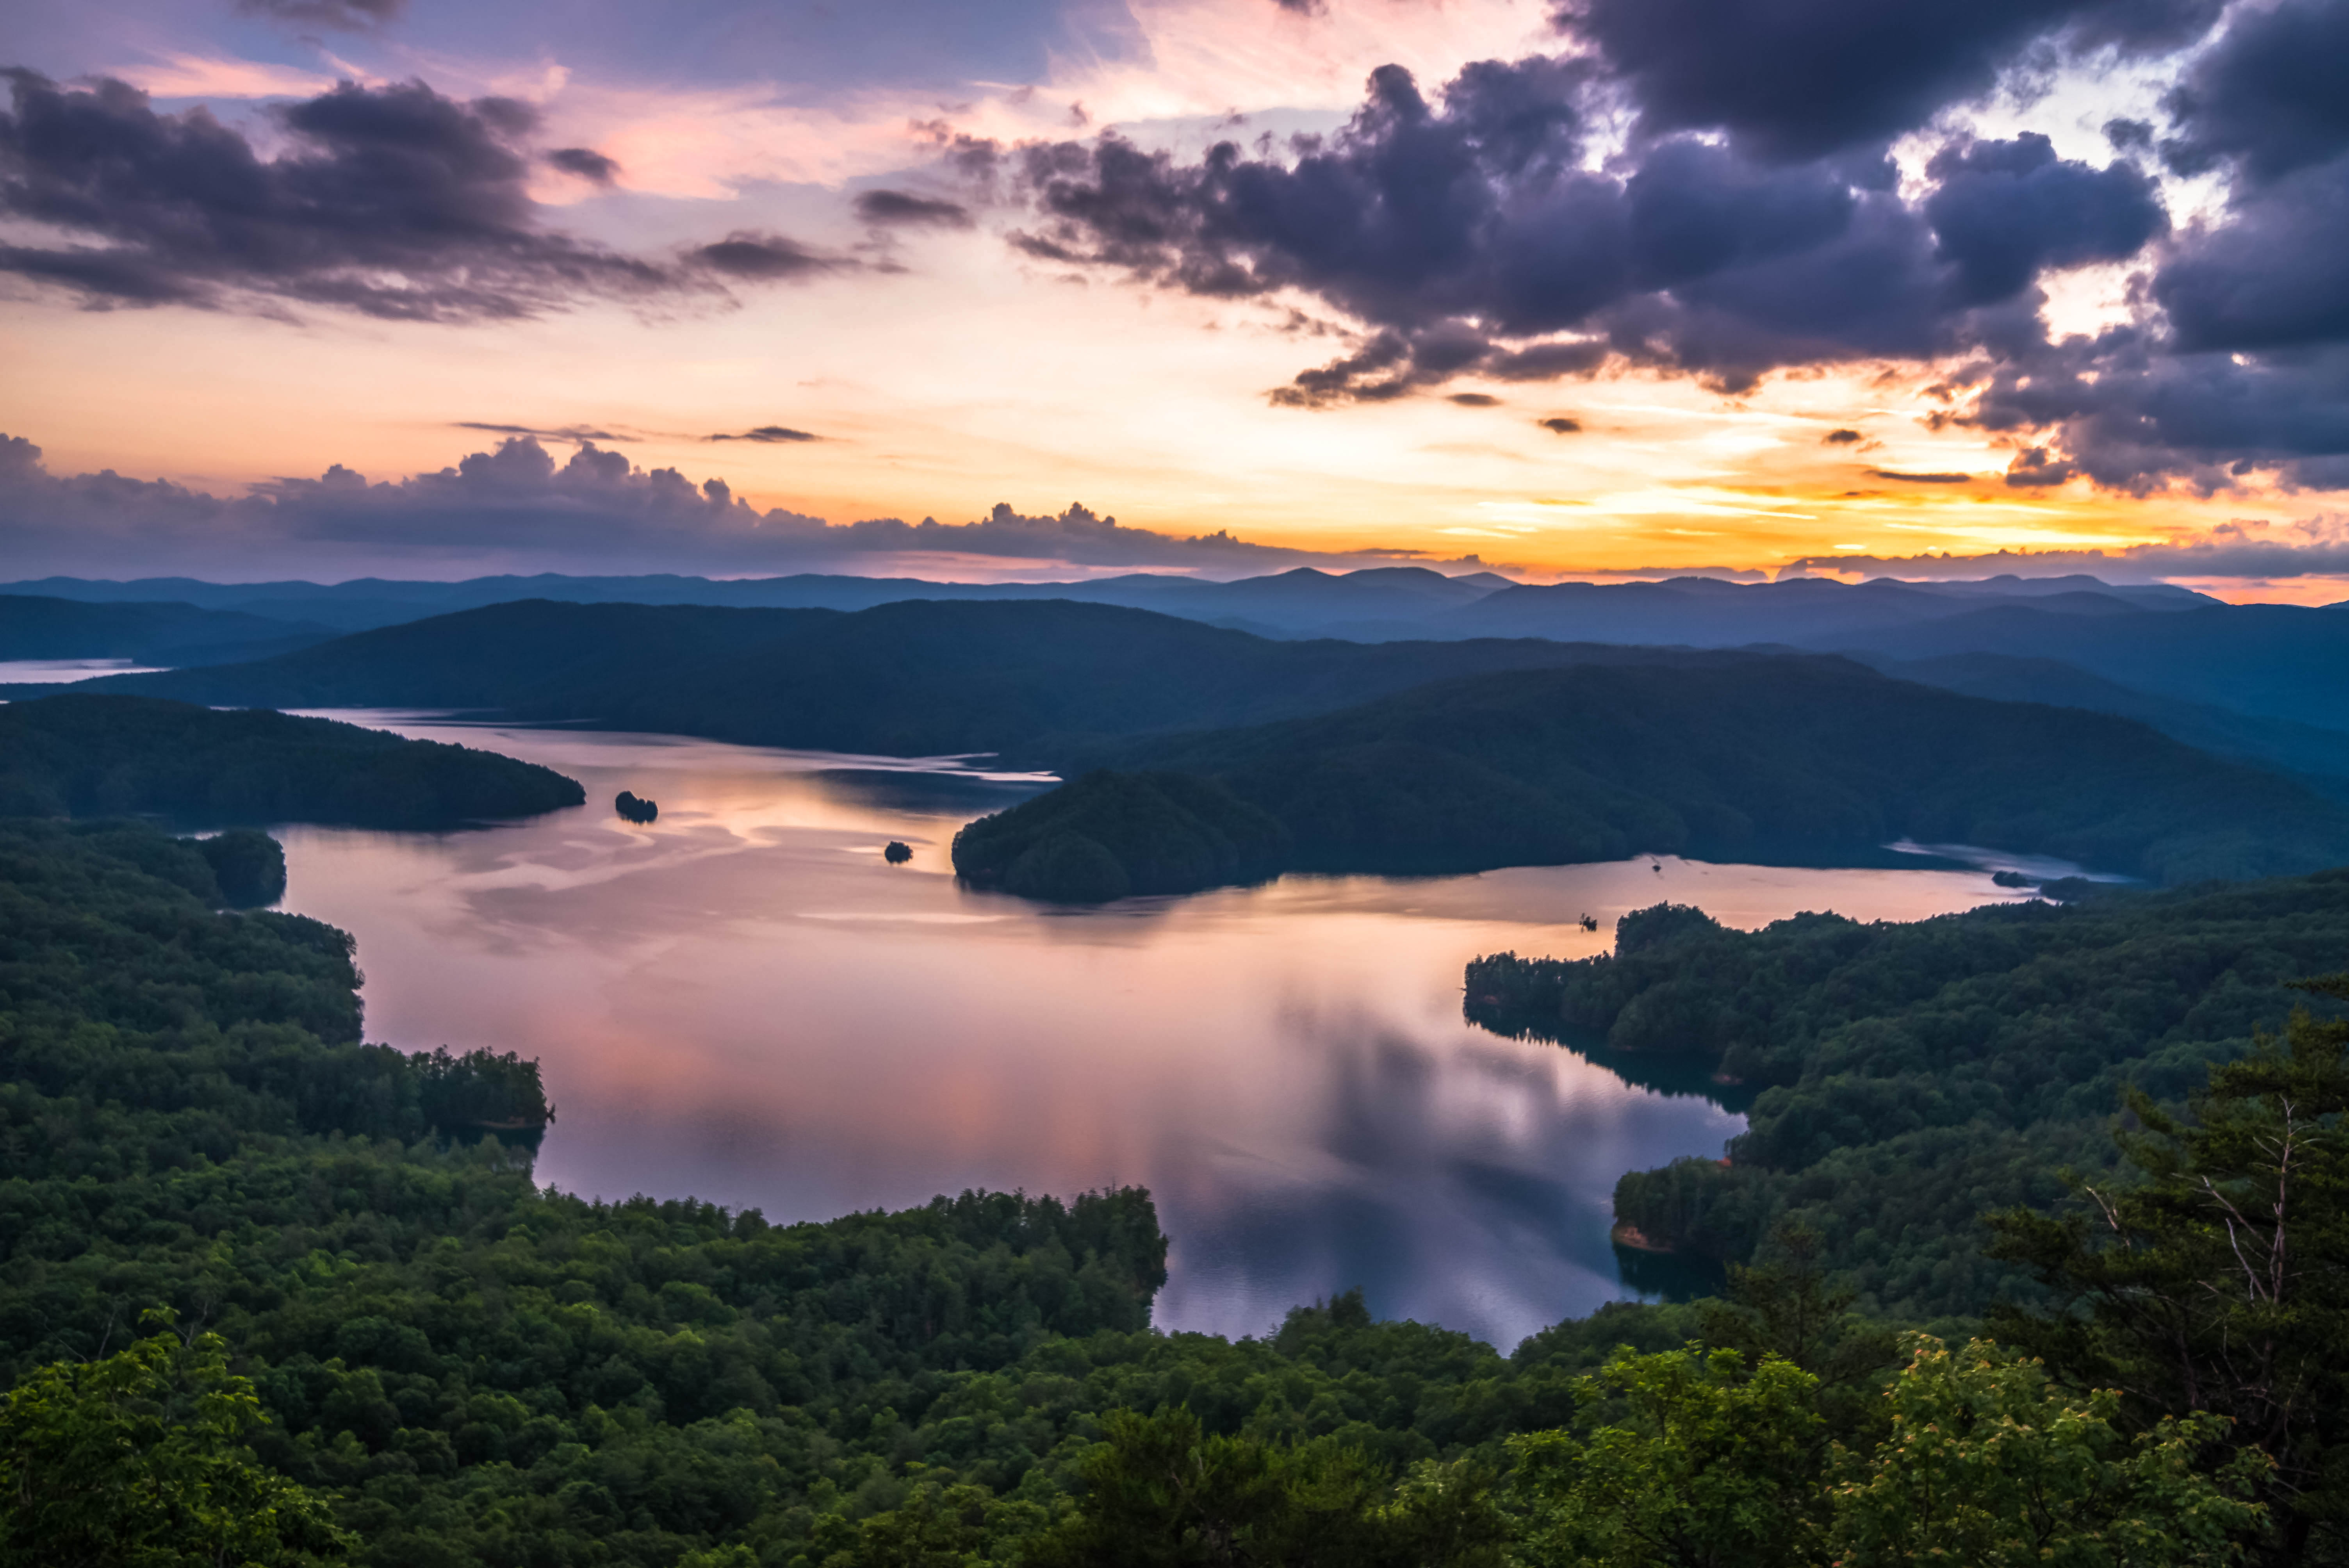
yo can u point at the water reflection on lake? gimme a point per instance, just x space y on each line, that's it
56 672
743 1002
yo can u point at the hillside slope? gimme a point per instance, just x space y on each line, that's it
1791 759
1039 681
95 755
33 627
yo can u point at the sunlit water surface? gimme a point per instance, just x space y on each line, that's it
53 672
744 1003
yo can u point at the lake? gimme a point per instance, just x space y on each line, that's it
744 1003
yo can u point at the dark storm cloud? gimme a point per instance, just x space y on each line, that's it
1466 236
343 15
2003 211
2275 275
556 433
2250 549
517 505
1841 437
1797 78
2132 415
2244 365
766 433
903 209
757 257
392 201
585 163
1754 223
2269 93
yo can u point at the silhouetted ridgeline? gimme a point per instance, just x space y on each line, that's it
1793 760
33 627
102 756
1905 1078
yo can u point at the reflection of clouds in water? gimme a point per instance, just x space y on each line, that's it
742 1003
1454 1182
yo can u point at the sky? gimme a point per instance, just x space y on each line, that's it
1039 288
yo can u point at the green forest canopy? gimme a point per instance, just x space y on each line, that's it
384 1311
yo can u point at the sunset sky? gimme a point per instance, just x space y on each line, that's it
329 288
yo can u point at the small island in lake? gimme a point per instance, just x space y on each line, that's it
635 808
898 853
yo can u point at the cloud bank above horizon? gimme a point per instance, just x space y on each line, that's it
515 508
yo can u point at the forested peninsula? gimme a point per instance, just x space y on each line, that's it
271 1294
90 755
1796 759
1900 1077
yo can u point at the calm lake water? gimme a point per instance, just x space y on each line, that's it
743 1002
49 672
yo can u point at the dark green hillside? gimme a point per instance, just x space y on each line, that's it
76 755
33 627
508 656
1039 681
2275 661
1911 1076
1110 835
1793 760
2308 750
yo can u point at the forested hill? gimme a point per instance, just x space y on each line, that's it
33 627
1035 682
87 755
1794 759
1911 1076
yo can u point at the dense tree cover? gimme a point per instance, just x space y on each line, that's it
1713 1461
91 754
1794 759
1109 834
2217 1276
248 866
1905 1077
396 1336
634 807
141 1459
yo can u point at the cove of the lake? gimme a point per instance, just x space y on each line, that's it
743 1002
